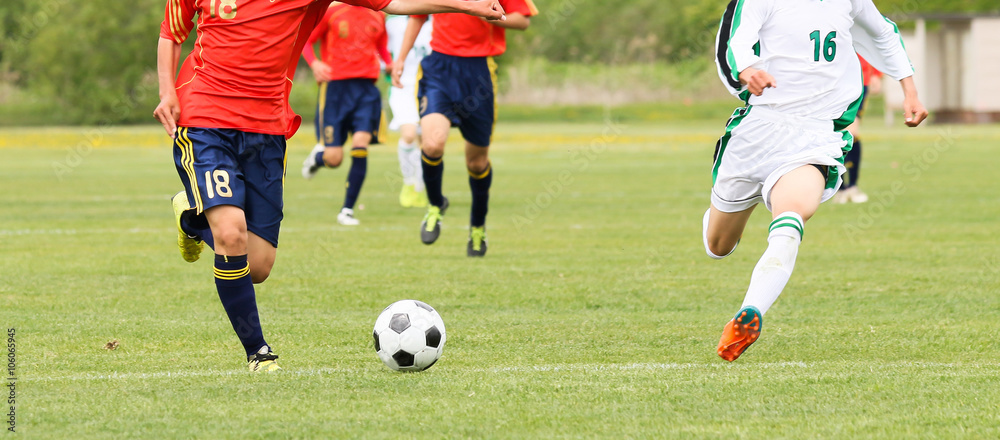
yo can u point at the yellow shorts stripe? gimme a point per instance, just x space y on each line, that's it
187 163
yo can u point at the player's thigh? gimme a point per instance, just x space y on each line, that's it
229 229
435 128
726 228
800 191
208 163
264 166
261 255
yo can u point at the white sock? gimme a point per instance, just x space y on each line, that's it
775 267
418 169
405 152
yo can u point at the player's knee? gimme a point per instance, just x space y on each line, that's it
477 165
433 149
408 138
719 248
332 161
232 241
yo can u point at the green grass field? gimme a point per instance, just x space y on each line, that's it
595 315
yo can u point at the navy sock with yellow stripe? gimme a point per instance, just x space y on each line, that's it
480 184
232 279
356 176
433 168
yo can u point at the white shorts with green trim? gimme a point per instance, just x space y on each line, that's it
761 145
403 103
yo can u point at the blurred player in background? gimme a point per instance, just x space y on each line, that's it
457 87
351 40
228 114
849 191
405 115
795 66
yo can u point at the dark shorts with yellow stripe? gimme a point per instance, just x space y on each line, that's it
463 89
233 167
348 106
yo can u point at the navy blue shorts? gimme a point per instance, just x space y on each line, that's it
347 106
464 90
232 167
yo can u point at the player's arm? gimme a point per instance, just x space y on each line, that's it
321 70
168 55
413 27
738 63
176 26
877 39
516 21
489 9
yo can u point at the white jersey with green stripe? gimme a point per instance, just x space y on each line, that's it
810 47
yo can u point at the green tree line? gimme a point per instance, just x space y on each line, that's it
94 62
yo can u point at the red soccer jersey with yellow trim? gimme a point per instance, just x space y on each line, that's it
463 35
351 40
240 72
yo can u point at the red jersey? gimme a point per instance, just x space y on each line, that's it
463 35
867 71
351 40
240 72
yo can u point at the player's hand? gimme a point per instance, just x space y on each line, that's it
321 71
488 9
913 111
396 70
757 80
168 112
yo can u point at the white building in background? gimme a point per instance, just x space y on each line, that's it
957 62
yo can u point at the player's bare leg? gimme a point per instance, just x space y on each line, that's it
234 278
435 127
794 199
477 162
722 231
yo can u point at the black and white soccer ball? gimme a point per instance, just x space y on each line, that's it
409 336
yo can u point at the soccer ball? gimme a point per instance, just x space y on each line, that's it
409 336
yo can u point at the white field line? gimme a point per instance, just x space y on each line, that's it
106 231
586 368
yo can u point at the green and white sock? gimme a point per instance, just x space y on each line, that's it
775 267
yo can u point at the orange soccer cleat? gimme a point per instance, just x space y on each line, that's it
740 333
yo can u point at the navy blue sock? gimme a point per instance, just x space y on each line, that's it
480 186
319 159
197 226
433 168
853 163
356 176
232 279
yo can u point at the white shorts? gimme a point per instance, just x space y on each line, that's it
761 145
403 103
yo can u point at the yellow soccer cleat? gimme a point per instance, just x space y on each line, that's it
408 196
190 247
264 360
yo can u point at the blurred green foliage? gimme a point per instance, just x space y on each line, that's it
94 62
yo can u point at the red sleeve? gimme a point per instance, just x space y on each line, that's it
383 46
523 7
375 5
178 20
324 24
